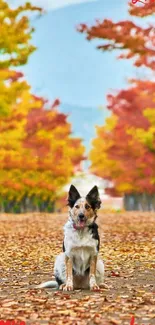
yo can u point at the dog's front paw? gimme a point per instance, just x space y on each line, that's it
93 284
94 287
68 286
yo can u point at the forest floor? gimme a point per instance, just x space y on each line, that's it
28 246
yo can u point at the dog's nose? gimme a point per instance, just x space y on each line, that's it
81 216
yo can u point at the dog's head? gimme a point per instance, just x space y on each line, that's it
83 210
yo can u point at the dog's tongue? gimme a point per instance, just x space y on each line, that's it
81 224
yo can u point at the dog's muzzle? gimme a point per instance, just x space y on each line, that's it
81 217
81 222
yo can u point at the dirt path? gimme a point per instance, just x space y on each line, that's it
29 244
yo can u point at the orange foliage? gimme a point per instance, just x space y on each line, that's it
134 41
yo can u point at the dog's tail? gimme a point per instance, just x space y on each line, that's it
48 284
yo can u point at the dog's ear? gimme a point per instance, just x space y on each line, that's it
73 196
93 198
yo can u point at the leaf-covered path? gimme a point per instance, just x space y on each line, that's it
29 244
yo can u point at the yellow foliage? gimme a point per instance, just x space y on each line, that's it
24 170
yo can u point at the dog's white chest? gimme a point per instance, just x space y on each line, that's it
80 246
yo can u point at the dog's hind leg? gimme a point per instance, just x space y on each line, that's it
100 272
59 272
60 269
100 275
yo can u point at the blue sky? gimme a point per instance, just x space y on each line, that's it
68 67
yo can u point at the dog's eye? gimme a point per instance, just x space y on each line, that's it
77 206
87 207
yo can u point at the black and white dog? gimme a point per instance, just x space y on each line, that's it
78 266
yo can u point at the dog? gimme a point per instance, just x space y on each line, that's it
78 266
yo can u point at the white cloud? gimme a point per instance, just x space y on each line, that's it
52 4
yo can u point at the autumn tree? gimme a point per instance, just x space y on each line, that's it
38 153
126 143
123 151
15 46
